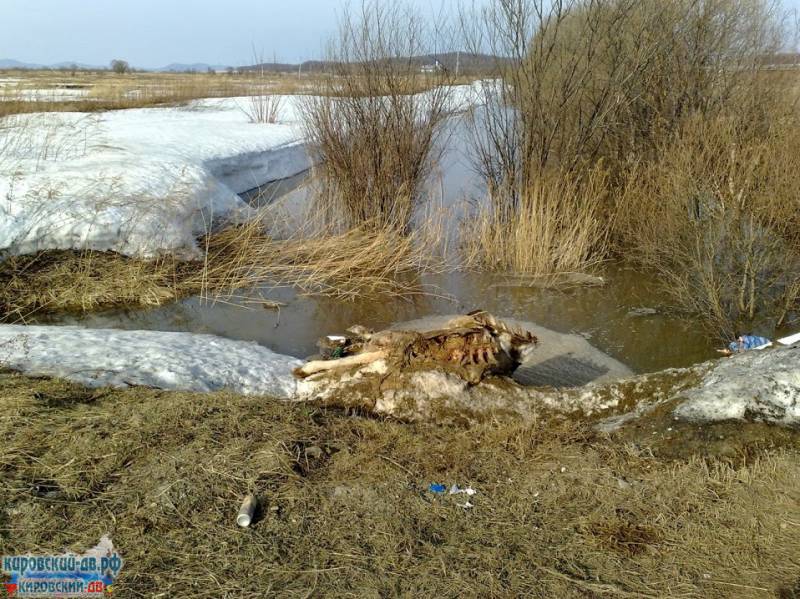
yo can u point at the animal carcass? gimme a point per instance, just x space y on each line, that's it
469 346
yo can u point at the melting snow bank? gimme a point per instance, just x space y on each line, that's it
182 361
755 385
761 386
140 182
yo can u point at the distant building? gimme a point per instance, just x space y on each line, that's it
431 68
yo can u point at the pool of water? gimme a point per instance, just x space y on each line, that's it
624 318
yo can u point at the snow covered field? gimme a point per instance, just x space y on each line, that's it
55 94
137 181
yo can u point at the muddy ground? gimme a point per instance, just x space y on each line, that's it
560 510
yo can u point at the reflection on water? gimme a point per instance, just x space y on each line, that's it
603 315
259 197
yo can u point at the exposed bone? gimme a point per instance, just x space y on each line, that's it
316 366
361 332
470 346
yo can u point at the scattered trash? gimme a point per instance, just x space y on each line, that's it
246 511
563 469
454 490
744 343
790 340
642 312
313 452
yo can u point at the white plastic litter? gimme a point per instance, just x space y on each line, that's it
246 511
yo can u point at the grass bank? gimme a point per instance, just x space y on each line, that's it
354 263
560 511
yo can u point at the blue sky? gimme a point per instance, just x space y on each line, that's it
152 33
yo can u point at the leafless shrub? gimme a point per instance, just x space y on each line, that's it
591 79
263 107
606 82
716 216
373 132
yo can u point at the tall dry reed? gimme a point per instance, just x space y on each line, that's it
590 84
717 217
557 229
354 264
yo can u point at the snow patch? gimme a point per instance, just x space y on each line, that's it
762 386
140 182
144 181
116 358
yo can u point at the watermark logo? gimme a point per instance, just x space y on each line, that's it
66 575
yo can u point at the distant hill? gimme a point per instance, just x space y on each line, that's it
10 63
463 62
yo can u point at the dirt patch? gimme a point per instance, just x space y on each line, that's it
560 511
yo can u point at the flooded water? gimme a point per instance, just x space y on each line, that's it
609 317
624 318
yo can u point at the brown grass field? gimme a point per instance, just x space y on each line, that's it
104 90
560 511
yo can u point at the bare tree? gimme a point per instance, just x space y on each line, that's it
375 123
589 79
120 67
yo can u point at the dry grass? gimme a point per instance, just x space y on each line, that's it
108 91
560 512
674 101
353 264
557 229
104 90
263 108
